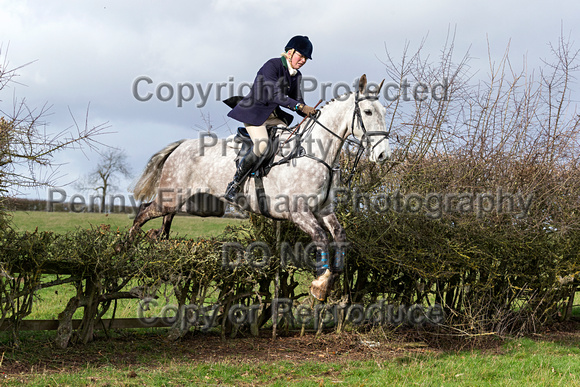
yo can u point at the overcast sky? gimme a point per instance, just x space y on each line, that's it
93 52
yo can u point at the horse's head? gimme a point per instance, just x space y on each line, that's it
368 123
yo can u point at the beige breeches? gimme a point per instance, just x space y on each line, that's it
259 134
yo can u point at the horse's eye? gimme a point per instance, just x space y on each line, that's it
368 112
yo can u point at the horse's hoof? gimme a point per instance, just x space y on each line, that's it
321 286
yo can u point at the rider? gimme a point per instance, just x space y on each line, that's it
277 84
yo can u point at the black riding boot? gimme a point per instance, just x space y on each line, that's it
244 167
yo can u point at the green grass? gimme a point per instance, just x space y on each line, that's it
49 302
62 222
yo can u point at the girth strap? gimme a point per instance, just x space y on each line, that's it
261 196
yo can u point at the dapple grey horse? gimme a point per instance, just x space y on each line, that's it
196 171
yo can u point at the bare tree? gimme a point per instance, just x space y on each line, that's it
112 165
26 148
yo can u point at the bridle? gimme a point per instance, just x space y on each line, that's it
366 136
361 145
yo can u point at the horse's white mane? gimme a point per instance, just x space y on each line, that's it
340 98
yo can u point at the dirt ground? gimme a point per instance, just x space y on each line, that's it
127 348
133 348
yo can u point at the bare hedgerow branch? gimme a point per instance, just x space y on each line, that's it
514 131
514 128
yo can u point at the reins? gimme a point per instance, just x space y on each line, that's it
298 126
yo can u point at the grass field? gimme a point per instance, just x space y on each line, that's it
61 222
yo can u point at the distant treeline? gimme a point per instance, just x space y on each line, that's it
19 204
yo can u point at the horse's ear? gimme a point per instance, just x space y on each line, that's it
362 83
380 87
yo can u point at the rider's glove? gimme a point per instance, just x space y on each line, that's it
308 110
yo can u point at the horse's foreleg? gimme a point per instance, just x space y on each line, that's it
332 224
320 287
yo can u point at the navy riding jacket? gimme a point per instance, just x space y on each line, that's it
272 88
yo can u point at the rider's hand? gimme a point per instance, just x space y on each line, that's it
308 110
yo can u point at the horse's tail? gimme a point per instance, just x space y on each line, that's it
145 189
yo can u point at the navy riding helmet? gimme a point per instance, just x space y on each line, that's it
301 44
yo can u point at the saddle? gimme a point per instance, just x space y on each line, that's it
266 161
